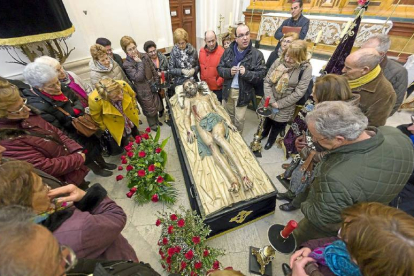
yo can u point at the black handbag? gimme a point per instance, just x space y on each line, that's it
109 145
154 86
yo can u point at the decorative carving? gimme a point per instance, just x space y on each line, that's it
241 216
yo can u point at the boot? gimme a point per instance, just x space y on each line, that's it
98 170
101 162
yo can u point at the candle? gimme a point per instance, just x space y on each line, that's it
230 19
345 30
318 38
267 102
290 226
162 77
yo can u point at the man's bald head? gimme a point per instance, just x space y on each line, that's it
210 39
360 63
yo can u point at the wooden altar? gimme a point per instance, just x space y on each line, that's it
261 15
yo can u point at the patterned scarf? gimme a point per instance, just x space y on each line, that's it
339 261
54 208
104 68
128 123
365 79
280 77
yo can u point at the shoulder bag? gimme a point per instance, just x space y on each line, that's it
84 124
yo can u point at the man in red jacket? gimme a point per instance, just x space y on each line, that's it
209 59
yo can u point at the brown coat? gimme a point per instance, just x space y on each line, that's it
141 73
377 100
295 91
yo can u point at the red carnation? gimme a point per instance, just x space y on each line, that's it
177 249
193 274
123 157
128 148
119 177
138 140
216 264
183 265
173 217
171 251
142 154
124 161
205 253
168 260
120 168
189 255
181 223
158 150
154 198
196 240
160 252
138 136
130 154
145 136
129 168
198 265
141 173
160 179
148 130
151 168
164 241
170 229
158 222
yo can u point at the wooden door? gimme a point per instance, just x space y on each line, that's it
183 15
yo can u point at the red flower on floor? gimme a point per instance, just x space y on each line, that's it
130 154
177 249
205 253
170 229
124 161
168 260
158 223
128 148
183 265
189 255
151 168
129 168
181 223
173 217
131 192
198 265
164 241
158 150
196 240
216 264
148 130
171 251
193 274
119 177
154 198
145 136
120 168
160 179
142 154
138 140
123 157
141 173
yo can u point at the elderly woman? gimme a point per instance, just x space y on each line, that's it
227 40
183 62
91 227
286 40
47 96
161 65
26 136
102 65
112 105
69 79
141 71
285 84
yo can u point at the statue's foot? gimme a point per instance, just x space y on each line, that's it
247 183
234 187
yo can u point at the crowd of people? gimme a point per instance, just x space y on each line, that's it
351 176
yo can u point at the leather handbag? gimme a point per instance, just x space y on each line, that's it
84 124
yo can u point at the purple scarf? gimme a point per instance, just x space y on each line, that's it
78 90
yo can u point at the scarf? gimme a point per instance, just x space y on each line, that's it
239 56
280 77
184 61
365 79
128 124
60 98
54 208
156 62
80 93
101 67
339 261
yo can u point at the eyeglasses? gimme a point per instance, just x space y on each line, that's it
21 109
70 259
243 35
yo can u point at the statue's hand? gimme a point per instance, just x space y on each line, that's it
232 127
190 137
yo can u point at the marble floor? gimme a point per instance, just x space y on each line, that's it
143 235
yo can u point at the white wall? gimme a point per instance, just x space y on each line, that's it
141 19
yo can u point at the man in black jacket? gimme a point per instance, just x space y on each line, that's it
241 66
297 20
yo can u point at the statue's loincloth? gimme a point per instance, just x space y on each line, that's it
208 123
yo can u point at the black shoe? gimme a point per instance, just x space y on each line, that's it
268 145
287 207
161 113
154 128
98 170
103 165
286 269
284 196
160 124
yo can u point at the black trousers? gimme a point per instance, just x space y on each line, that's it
272 129
219 95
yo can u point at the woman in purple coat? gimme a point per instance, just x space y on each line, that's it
91 226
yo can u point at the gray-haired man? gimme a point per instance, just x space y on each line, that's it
361 165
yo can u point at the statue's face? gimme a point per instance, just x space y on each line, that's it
190 88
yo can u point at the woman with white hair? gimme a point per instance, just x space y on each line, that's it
47 96
69 79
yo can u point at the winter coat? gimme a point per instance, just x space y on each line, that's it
208 67
53 152
294 92
175 66
254 75
108 117
115 73
92 228
377 100
373 170
86 86
142 74
302 22
397 75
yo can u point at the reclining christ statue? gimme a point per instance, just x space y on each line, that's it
211 131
